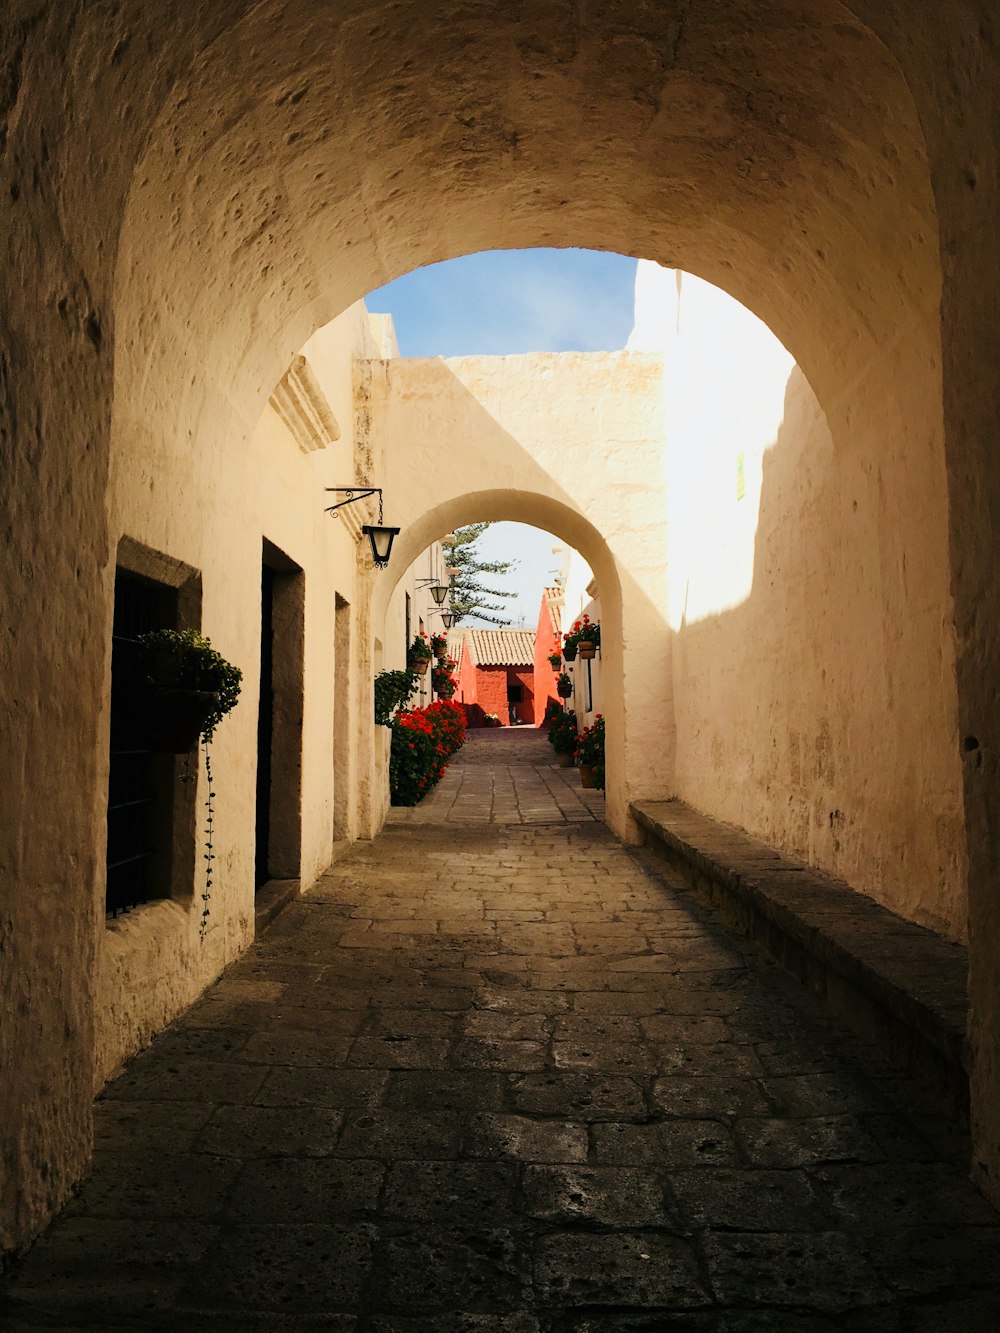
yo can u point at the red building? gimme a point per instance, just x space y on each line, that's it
496 675
548 639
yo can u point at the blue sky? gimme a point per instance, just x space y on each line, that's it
500 303
506 301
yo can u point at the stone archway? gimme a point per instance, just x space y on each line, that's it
265 165
625 608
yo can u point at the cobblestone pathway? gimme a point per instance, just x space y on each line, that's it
506 776
505 1079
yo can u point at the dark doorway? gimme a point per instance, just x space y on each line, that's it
342 775
140 789
151 811
279 718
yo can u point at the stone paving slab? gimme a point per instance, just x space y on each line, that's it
506 1078
505 775
892 980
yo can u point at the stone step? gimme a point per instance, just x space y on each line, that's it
894 982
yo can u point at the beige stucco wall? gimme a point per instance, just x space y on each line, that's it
571 443
212 508
813 655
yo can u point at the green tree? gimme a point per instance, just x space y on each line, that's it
470 597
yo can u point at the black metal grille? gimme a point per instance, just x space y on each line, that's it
139 801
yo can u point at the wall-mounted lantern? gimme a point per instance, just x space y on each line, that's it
439 592
379 536
447 618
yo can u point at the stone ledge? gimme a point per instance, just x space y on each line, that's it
894 982
271 899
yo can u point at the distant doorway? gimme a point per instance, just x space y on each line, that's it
279 719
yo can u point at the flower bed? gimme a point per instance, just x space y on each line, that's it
423 740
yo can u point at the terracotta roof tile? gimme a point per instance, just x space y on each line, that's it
501 647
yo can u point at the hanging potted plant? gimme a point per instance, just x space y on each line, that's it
584 638
420 654
443 681
590 638
439 646
563 738
564 685
589 754
555 661
190 688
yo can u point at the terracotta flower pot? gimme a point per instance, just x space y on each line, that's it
587 649
569 652
564 761
420 665
587 776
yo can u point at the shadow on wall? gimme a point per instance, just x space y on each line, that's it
819 712
527 424
476 716
809 696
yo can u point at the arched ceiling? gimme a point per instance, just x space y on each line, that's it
312 152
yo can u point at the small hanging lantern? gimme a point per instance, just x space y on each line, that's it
439 592
379 536
447 619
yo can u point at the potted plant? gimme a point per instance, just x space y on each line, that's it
420 654
555 661
439 645
552 711
590 638
392 689
589 754
563 738
443 682
190 688
585 637
564 685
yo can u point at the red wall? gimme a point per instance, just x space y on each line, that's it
465 676
483 689
491 691
546 640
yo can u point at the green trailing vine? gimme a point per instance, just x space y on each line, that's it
392 690
206 896
184 660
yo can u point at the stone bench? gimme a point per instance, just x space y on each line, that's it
893 982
